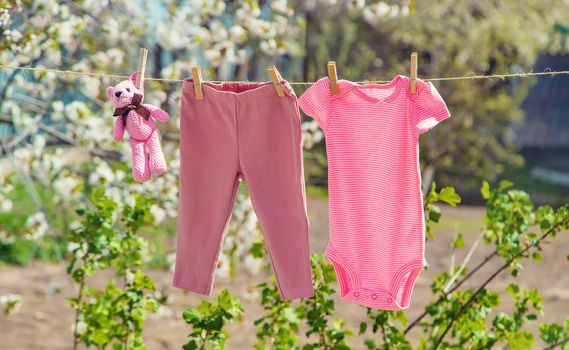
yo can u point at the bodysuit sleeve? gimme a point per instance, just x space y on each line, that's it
427 108
315 102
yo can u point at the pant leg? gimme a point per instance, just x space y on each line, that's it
208 184
270 155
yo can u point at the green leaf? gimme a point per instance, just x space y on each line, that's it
363 327
537 256
458 242
216 323
191 345
434 213
225 300
370 343
290 316
258 249
512 289
521 340
485 190
329 273
449 196
504 184
191 315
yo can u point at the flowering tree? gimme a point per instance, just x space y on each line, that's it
60 154
232 40
61 147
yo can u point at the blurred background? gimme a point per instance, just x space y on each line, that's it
56 143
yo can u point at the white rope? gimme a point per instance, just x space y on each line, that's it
118 76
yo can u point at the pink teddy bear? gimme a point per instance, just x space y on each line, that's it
135 118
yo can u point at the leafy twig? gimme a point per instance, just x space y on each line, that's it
456 286
559 343
77 313
385 345
492 276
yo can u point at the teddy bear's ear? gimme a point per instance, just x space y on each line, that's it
133 77
110 91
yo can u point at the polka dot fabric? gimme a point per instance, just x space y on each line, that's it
376 208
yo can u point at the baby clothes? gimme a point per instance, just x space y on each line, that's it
376 209
241 131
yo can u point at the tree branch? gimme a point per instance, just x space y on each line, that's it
559 343
106 154
496 273
457 285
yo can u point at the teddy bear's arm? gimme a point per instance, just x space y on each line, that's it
118 131
157 113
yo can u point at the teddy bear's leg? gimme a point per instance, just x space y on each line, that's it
140 166
157 161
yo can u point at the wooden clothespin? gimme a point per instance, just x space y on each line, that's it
197 77
413 73
276 78
333 77
141 70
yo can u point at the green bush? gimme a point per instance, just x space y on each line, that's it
457 318
107 239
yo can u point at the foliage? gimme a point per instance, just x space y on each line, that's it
447 195
237 40
319 308
276 329
555 335
382 322
464 313
279 328
458 318
113 316
208 321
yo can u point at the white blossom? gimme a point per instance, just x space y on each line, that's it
37 226
129 276
58 108
6 205
6 238
65 186
158 213
10 303
81 327
237 34
201 31
254 265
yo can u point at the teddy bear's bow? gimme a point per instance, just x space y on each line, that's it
136 105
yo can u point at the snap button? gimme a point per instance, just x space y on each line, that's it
374 296
356 294
389 300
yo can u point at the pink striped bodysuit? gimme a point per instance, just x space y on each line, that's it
376 208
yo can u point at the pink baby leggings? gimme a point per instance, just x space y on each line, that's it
241 131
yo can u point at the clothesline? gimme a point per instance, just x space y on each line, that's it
120 77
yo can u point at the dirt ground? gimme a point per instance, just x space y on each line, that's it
44 320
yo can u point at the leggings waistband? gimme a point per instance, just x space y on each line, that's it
241 91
